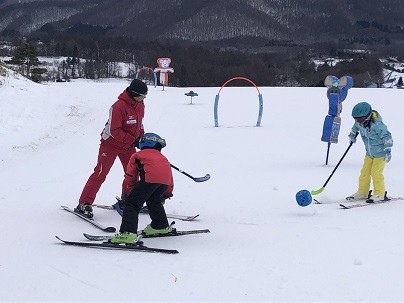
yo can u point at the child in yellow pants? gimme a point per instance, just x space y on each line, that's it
378 143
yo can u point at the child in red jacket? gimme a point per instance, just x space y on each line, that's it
149 180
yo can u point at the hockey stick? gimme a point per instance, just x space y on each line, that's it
199 179
320 190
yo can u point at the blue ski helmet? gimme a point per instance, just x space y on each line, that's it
362 109
152 140
303 197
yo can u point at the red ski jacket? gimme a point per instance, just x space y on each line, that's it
124 124
151 166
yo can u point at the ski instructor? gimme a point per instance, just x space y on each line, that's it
119 138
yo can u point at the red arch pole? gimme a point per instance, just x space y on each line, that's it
239 78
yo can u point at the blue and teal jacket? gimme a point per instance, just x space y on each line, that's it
375 136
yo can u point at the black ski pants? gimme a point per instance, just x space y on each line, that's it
152 195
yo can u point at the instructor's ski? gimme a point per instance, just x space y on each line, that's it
109 229
107 245
144 210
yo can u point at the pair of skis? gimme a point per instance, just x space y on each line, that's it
362 203
368 203
138 246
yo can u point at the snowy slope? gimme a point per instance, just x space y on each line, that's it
262 245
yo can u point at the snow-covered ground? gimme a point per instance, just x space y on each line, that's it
262 245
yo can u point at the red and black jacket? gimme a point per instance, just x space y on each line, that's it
125 122
151 166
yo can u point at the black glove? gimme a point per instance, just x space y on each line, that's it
165 198
136 143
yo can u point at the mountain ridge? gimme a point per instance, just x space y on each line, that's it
304 21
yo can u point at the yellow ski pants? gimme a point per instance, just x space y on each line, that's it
372 170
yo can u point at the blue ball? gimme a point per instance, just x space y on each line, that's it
303 197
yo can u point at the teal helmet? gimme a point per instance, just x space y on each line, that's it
362 109
151 140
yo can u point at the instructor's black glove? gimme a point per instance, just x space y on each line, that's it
136 143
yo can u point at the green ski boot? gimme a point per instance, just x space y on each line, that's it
124 238
150 231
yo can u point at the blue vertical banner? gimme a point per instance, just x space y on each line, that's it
337 91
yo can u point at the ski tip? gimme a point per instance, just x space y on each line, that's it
343 206
59 239
190 218
110 229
